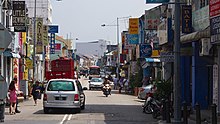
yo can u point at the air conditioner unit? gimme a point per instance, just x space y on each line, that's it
204 47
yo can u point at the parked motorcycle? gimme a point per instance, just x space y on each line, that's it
106 90
147 106
158 108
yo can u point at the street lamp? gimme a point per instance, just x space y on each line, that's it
117 33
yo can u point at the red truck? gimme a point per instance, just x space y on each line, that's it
61 68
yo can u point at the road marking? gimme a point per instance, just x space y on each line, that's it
64 118
69 117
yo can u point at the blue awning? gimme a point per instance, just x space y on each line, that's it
152 60
8 53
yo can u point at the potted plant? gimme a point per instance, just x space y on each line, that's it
136 79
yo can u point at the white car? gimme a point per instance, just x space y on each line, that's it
64 93
95 83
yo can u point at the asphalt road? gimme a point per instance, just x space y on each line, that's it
115 109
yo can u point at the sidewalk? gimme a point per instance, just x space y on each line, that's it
206 117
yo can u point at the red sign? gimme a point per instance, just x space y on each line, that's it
214 8
57 46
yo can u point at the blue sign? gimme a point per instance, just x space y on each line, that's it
133 39
157 1
53 29
52 43
145 50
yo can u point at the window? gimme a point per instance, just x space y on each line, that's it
61 86
204 3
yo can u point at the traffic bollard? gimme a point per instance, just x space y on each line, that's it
168 120
198 114
163 109
214 114
185 117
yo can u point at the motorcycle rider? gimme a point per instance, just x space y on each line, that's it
106 81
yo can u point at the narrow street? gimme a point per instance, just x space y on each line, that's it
115 109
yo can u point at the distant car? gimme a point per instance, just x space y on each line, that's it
63 93
95 83
143 91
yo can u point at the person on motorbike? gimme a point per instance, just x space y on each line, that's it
106 81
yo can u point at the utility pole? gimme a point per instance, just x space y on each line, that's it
34 38
177 82
118 58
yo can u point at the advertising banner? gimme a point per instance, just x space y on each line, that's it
39 35
18 13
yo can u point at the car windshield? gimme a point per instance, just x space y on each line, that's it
61 86
96 80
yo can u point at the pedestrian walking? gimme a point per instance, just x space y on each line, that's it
36 92
115 80
121 83
16 87
3 96
13 97
126 85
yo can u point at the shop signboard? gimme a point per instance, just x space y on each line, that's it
215 29
52 43
166 56
18 13
145 50
200 19
215 85
133 39
53 29
39 38
186 19
214 8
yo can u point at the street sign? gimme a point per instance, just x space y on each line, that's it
157 1
166 57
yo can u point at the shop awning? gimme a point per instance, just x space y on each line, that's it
195 36
154 62
8 53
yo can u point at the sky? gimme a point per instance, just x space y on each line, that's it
82 19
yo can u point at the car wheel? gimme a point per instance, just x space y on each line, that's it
46 110
90 88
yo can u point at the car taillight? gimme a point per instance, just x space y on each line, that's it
45 97
76 97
